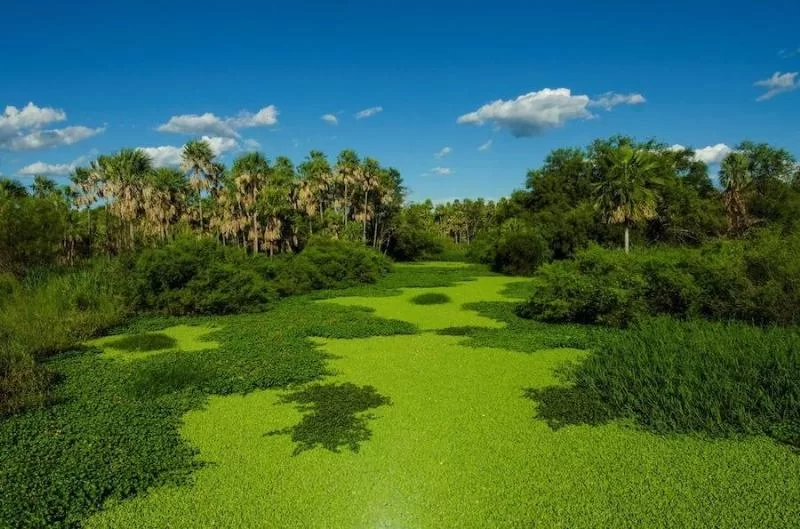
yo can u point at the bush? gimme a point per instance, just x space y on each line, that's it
53 314
698 376
757 280
515 248
329 263
199 276
594 289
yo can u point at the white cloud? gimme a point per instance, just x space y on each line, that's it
778 84
263 118
41 139
535 112
611 99
787 54
712 154
213 125
252 144
368 112
21 129
330 118
486 146
170 155
442 171
49 169
164 156
444 152
531 113
29 117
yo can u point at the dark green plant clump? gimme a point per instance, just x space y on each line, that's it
432 298
755 280
715 378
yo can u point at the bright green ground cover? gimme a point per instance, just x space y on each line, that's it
431 431
141 345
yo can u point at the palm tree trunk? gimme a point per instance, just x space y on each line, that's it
364 226
345 204
375 233
627 239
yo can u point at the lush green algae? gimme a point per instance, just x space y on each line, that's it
429 431
141 345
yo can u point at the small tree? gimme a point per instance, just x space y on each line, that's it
623 193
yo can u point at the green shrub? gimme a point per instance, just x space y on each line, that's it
329 263
606 295
432 298
199 276
699 376
515 248
50 315
757 281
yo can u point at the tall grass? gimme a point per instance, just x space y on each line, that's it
716 378
48 314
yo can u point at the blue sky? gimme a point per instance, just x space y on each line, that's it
559 74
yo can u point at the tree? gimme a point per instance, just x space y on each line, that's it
250 173
347 174
43 187
623 193
197 159
736 178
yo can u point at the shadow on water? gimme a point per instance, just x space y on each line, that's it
139 343
561 406
333 416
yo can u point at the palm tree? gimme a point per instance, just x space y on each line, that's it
124 175
43 187
12 189
86 193
197 159
624 194
736 178
250 173
347 173
370 172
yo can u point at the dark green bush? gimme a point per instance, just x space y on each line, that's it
757 280
199 276
591 290
716 378
515 248
432 298
329 263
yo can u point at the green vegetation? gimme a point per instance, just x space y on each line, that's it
261 367
432 298
754 280
433 412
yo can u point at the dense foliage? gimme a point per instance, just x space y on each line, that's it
187 276
755 280
719 379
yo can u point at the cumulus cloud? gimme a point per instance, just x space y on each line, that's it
22 129
778 84
442 171
444 152
330 118
213 125
535 112
712 154
486 146
170 155
49 169
42 139
611 99
368 112
29 116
